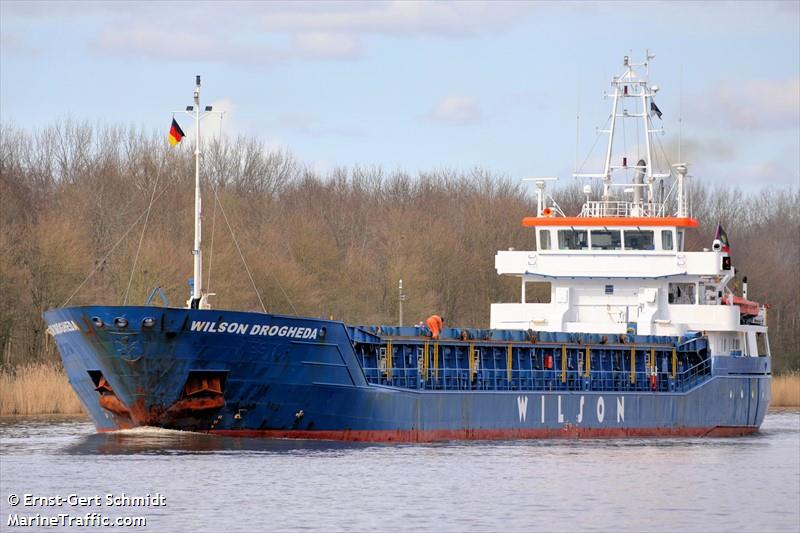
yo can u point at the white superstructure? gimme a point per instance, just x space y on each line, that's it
619 266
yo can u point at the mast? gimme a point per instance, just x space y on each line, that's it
607 169
632 84
199 298
197 285
648 150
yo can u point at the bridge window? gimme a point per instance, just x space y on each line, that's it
666 239
680 240
639 240
762 344
544 239
606 240
569 239
681 293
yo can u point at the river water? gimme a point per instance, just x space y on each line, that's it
216 484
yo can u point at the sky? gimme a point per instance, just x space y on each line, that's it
513 87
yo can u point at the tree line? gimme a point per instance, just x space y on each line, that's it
115 204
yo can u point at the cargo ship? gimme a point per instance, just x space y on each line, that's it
637 337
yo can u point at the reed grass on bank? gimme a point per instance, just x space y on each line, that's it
43 389
786 390
37 389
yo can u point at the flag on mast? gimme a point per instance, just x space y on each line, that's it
175 133
722 237
654 109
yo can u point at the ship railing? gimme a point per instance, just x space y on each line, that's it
599 208
622 380
695 375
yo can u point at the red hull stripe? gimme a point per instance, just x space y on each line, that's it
570 432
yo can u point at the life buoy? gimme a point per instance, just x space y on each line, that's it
548 362
547 212
653 382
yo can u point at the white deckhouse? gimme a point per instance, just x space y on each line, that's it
619 266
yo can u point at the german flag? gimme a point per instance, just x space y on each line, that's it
176 134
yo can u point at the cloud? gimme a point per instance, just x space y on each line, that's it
216 47
433 18
757 104
152 42
457 109
443 19
15 44
327 46
222 121
265 33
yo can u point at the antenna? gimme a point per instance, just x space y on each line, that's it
577 126
647 57
540 185
680 112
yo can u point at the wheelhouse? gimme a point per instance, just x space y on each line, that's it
586 235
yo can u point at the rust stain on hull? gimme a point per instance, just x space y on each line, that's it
195 407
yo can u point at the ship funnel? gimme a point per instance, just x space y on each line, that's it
638 180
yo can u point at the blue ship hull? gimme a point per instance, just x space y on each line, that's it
254 374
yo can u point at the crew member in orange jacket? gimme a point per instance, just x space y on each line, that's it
434 323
